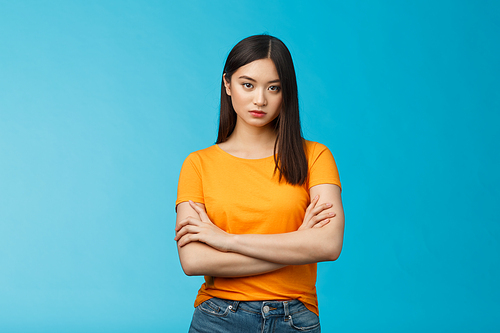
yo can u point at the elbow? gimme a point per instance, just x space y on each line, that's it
331 256
188 269
334 255
332 252
332 245
190 266
194 259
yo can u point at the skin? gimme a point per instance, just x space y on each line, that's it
205 249
254 86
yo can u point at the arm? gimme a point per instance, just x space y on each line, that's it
302 246
201 259
295 248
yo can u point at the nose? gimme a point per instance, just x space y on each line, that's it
260 97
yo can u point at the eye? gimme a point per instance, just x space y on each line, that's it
275 88
248 85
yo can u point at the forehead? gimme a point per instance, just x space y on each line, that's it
262 69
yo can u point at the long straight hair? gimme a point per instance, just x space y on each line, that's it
289 155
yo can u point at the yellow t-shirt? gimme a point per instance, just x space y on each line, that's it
244 196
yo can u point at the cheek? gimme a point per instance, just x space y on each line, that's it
238 99
278 102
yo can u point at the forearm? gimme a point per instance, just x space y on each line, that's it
200 259
294 248
302 246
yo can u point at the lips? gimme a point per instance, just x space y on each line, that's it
257 113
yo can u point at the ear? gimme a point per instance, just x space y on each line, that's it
227 85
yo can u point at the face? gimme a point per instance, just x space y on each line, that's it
255 92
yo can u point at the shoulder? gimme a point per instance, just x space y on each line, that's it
314 149
202 154
321 165
198 161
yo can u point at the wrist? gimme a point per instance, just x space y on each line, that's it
232 243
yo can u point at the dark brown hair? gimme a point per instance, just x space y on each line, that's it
289 155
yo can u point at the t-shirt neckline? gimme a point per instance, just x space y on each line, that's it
241 158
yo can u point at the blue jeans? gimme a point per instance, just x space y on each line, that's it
224 316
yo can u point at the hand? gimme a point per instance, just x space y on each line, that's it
314 218
201 229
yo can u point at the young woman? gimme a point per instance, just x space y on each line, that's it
259 209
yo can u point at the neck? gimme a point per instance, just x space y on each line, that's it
251 141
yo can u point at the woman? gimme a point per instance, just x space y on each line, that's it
245 218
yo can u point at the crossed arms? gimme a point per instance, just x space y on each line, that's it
205 249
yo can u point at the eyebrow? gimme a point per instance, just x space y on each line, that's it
250 79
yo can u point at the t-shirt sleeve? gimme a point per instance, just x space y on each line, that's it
190 186
322 167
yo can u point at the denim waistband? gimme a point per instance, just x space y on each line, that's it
222 315
268 308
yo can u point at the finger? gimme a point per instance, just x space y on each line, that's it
312 204
185 230
321 223
322 216
322 207
203 214
194 206
197 208
308 214
311 216
318 219
318 209
310 223
182 223
188 220
187 239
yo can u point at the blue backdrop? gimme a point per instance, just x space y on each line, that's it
101 101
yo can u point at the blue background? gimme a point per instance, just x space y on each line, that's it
101 101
